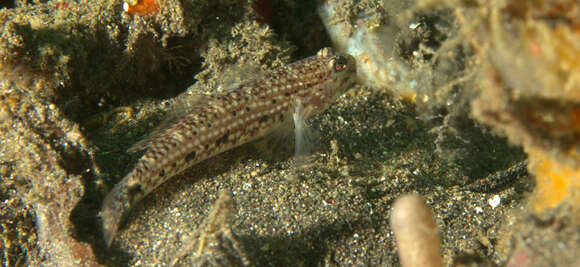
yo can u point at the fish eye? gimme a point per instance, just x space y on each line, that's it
340 64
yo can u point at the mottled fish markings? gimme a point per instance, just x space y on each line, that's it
229 120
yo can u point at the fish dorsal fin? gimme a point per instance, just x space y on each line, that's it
189 102
235 76
180 106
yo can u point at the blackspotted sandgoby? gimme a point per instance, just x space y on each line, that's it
252 110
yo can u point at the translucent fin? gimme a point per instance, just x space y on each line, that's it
304 137
277 145
114 207
300 148
293 137
191 102
180 107
231 79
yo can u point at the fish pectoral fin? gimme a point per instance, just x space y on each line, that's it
305 138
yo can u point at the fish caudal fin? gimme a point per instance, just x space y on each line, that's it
114 207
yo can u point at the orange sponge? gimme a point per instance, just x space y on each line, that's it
555 181
140 7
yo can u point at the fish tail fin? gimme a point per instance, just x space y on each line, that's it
112 212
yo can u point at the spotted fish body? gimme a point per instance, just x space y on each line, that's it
229 120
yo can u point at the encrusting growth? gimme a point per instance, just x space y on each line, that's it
226 121
213 243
